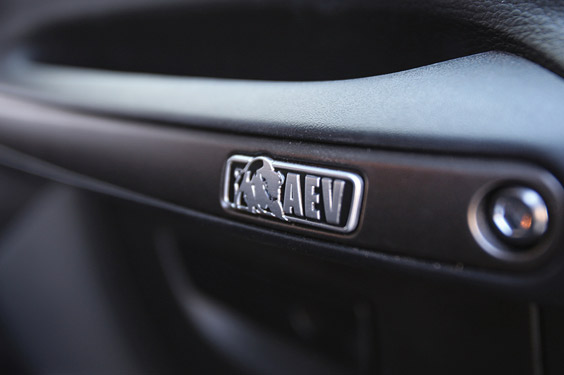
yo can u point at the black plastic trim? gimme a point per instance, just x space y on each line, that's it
414 204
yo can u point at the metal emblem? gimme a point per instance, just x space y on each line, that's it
294 193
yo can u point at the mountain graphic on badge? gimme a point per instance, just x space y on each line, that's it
259 186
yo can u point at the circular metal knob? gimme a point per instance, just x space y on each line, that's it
519 215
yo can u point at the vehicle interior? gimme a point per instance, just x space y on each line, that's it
282 187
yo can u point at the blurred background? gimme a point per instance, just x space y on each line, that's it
117 116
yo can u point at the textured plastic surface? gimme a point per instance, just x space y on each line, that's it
488 103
